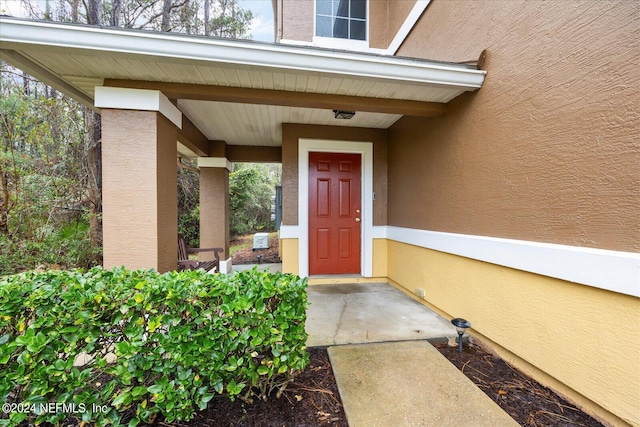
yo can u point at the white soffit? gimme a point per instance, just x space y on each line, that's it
249 124
29 37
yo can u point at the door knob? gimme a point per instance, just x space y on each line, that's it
357 219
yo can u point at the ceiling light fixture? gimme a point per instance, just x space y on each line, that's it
342 114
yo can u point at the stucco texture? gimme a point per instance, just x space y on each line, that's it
584 338
139 194
549 149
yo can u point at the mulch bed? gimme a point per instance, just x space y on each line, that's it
258 256
528 402
312 399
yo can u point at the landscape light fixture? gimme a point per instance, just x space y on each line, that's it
342 114
461 326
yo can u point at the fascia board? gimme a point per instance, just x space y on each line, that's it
17 33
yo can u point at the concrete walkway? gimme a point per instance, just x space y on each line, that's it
409 383
386 371
367 313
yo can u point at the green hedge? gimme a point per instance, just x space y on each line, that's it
178 339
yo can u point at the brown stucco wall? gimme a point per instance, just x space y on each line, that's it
291 133
549 149
139 190
379 24
398 13
297 20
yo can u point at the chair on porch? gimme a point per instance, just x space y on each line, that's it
184 263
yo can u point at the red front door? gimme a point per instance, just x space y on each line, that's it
334 213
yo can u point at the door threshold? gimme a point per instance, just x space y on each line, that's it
343 279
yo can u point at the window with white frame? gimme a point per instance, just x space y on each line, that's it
341 19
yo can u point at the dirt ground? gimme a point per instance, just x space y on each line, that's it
528 402
311 400
259 256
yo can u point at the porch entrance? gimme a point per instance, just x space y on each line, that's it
334 213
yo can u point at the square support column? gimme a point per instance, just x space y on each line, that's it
140 202
214 206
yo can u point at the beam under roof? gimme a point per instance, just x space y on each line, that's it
286 98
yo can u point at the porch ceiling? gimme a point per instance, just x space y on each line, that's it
235 90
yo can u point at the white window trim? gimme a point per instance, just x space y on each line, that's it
365 149
359 46
337 43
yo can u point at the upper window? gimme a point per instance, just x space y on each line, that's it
341 19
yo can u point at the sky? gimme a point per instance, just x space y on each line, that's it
261 27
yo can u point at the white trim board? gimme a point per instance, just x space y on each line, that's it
137 99
214 162
365 149
614 271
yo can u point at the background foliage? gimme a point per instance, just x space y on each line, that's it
43 180
159 344
252 187
50 146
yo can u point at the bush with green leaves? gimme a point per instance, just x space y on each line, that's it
137 345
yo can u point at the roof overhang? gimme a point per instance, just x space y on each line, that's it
200 72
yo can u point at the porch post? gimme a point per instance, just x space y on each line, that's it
139 184
214 208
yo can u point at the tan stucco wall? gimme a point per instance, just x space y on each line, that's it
139 187
398 13
289 254
298 20
379 23
214 211
574 333
548 150
291 133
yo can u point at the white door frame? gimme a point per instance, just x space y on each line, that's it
365 149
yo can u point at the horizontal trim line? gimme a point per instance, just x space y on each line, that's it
290 232
614 271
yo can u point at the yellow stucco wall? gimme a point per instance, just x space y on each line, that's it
588 339
289 255
380 257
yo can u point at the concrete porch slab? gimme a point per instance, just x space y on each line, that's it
367 313
409 384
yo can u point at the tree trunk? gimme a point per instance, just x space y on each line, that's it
207 17
115 13
74 10
94 12
25 83
166 16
